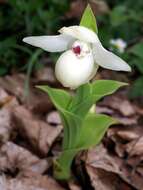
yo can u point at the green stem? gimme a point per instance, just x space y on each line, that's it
29 71
62 165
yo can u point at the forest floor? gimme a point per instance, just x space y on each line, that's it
31 133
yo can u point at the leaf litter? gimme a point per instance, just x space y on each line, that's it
30 139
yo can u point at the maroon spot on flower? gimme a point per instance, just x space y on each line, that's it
77 50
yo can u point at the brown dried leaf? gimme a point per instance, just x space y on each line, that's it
140 170
53 118
36 182
127 140
46 75
126 133
7 103
99 158
135 148
122 119
134 162
13 157
139 109
36 100
120 104
105 110
13 84
6 100
44 182
3 96
73 185
38 133
127 120
5 125
102 180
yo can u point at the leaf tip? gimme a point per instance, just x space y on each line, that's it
39 86
88 19
115 121
124 84
88 6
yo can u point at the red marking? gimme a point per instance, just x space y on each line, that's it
77 50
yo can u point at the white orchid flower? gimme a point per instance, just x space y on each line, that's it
119 43
83 53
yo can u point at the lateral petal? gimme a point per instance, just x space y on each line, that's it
55 43
108 60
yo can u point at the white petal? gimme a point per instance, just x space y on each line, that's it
72 71
56 43
108 60
80 32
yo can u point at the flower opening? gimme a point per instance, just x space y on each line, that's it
77 50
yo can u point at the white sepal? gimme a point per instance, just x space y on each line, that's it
80 32
108 60
72 71
56 43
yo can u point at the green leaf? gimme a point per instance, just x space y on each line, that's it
63 164
93 130
91 134
101 88
85 96
88 19
80 133
88 94
60 98
81 94
82 101
72 124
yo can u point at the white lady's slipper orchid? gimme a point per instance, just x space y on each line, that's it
83 54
